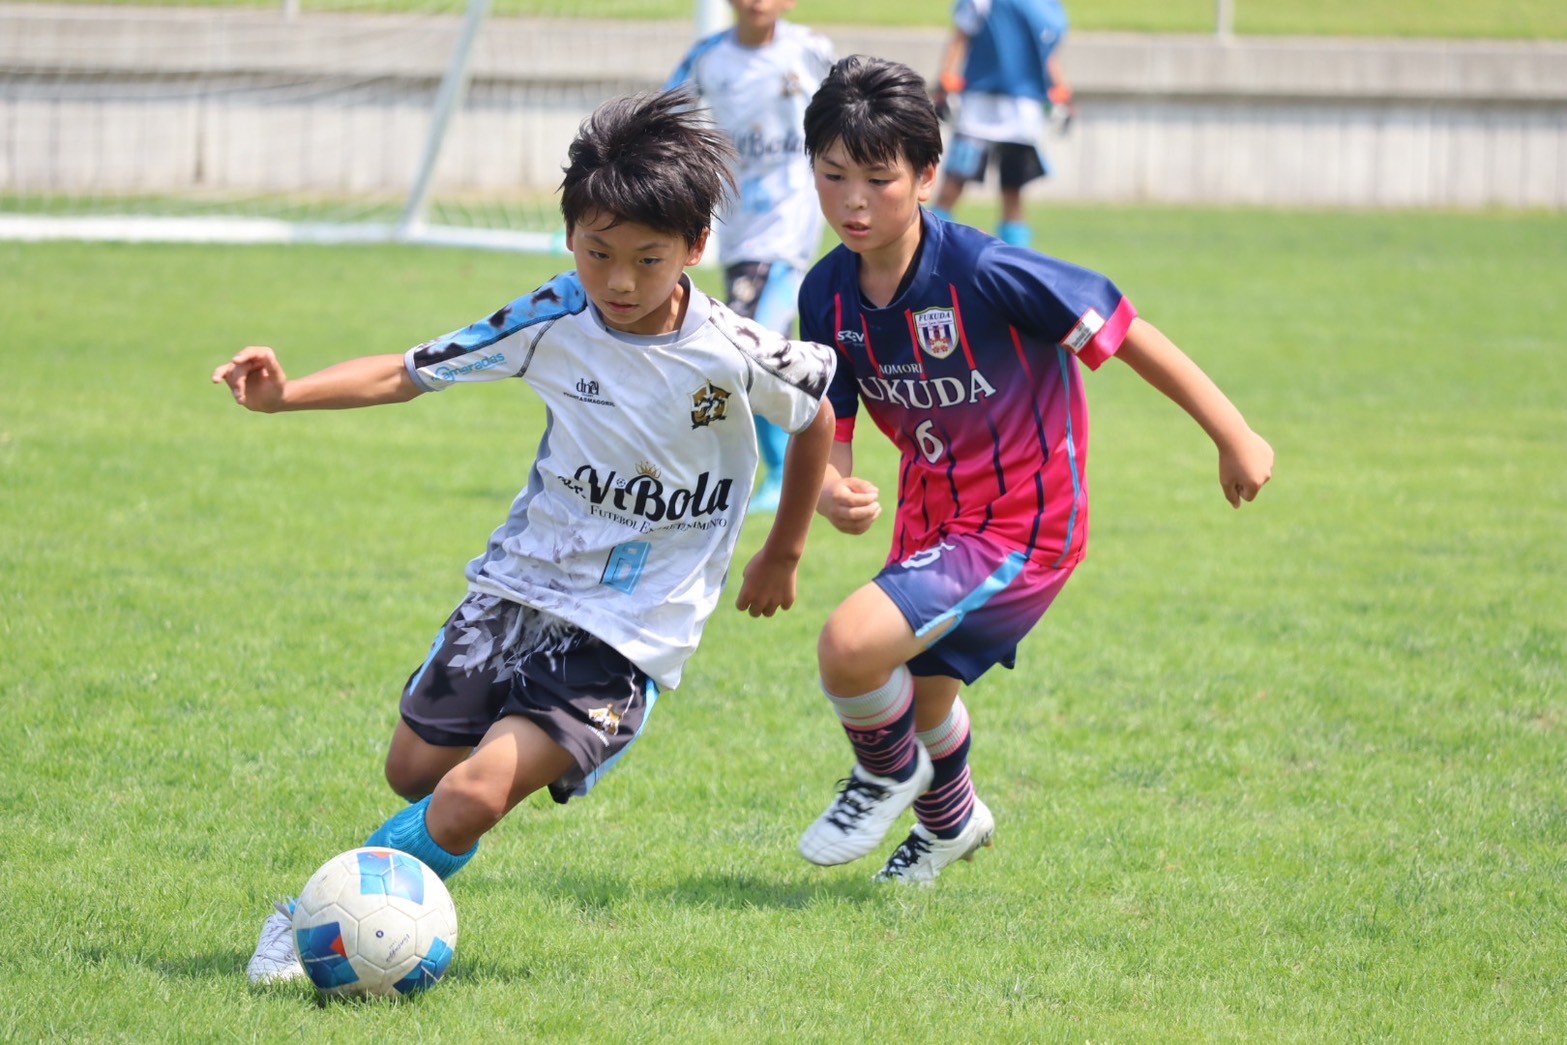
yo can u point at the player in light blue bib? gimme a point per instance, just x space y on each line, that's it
1001 75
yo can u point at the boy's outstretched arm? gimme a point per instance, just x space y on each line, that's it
768 583
1245 458
258 382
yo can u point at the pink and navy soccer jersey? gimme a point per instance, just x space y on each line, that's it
973 373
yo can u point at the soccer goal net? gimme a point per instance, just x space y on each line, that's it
419 121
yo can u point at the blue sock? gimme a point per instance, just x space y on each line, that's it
406 832
1017 234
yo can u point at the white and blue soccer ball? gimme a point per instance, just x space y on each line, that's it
375 922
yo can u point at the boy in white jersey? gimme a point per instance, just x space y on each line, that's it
593 592
756 80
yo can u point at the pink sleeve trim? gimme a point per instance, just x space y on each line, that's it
1108 341
844 431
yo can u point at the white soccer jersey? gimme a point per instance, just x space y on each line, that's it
758 96
635 501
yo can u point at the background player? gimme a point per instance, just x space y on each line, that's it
1001 63
756 79
594 590
966 352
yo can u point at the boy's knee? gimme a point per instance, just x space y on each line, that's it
408 781
849 662
414 766
839 644
465 805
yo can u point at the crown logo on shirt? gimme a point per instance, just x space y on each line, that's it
649 470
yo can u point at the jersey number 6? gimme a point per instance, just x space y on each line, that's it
930 445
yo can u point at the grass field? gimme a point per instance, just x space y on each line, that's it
1293 773
1516 19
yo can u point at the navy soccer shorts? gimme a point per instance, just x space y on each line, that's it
495 658
764 291
988 596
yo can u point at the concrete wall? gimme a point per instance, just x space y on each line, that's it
111 99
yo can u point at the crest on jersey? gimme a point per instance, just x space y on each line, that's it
937 329
708 404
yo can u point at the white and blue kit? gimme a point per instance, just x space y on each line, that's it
771 233
638 491
593 593
757 97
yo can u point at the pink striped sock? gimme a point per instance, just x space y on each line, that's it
880 725
945 808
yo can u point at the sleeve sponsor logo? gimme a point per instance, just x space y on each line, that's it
1087 327
447 372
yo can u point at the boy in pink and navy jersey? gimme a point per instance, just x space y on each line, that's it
971 373
967 353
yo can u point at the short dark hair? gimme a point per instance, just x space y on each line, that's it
879 109
652 159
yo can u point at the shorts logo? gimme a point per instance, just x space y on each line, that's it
744 292
708 404
1089 325
925 557
936 327
606 720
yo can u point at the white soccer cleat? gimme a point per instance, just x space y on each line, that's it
922 856
276 959
863 812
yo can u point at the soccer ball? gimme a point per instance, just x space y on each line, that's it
375 922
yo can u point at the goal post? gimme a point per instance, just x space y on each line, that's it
321 121
453 86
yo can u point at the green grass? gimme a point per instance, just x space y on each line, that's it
1516 19
1291 773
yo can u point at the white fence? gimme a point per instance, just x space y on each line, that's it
1197 119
